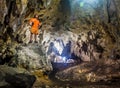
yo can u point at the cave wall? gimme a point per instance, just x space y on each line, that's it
72 32
60 17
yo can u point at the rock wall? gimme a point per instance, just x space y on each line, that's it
85 46
73 31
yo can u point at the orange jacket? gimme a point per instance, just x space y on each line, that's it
36 23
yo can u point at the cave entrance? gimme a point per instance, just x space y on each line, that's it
60 55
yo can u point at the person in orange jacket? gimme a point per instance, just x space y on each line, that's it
35 25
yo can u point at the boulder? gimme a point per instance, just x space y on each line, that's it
15 77
21 80
31 57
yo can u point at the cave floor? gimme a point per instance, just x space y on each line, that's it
44 81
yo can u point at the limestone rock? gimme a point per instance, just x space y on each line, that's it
32 57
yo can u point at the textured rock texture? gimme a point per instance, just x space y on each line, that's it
32 57
15 77
81 37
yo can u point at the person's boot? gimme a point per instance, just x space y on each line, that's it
36 41
30 41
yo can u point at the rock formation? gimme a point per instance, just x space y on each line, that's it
78 42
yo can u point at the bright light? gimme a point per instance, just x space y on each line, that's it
59 48
64 59
89 1
83 2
